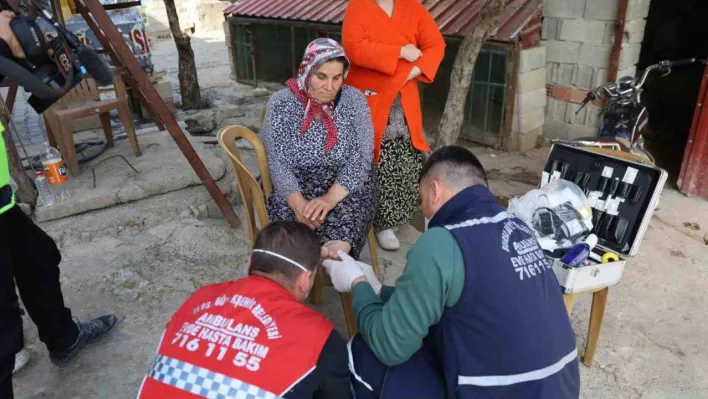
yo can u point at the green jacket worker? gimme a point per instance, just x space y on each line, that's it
477 312
29 257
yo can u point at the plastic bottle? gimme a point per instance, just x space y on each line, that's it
53 165
46 197
580 252
13 185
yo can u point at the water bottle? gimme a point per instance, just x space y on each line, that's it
53 165
46 197
580 252
13 185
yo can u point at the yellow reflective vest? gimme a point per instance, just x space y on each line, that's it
4 172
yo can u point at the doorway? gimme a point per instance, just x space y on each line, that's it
674 30
243 49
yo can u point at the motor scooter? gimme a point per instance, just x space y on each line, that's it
624 118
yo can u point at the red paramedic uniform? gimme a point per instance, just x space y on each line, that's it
248 338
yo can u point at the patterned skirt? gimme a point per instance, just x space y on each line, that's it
400 165
349 221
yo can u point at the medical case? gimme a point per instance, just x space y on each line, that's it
623 192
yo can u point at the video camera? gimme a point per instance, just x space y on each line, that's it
53 66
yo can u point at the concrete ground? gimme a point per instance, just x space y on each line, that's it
109 179
142 259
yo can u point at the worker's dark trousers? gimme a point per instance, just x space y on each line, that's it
6 367
29 257
417 378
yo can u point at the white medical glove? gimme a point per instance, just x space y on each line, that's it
371 276
343 272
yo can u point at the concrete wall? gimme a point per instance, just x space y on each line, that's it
530 101
157 17
210 15
578 36
193 14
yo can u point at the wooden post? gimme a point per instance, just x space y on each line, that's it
11 96
293 56
622 7
105 44
108 34
253 55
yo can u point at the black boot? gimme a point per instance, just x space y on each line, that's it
89 332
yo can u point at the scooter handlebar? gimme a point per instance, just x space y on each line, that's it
685 61
590 97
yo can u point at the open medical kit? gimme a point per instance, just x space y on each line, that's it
622 194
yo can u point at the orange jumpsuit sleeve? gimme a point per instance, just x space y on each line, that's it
366 53
432 44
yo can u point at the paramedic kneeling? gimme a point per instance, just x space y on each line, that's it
253 337
477 312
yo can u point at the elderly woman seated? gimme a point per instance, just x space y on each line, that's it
318 134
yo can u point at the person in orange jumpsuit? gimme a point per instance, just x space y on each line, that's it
392 45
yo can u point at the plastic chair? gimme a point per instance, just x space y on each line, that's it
82 101
254 196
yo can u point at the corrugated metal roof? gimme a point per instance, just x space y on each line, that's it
454 17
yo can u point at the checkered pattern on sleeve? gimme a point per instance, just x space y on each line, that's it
203 382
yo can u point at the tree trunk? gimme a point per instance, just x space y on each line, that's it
461 77
25 192
188 80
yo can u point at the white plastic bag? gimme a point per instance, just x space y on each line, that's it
558 213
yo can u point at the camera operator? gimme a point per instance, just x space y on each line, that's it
30 257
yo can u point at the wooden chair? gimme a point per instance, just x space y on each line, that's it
82 101
254 196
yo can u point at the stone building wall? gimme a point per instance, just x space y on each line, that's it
530 101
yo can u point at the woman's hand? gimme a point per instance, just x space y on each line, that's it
415 72
300 214
297 203
410 53
317 209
